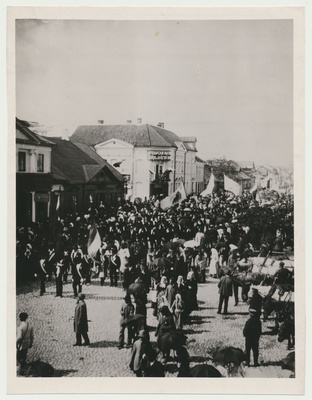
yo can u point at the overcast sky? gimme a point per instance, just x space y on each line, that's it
229 83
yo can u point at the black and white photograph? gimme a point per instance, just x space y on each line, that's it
157 226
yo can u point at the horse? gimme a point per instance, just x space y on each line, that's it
287 331
245 280
281 308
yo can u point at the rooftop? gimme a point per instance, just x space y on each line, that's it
70 162
138 135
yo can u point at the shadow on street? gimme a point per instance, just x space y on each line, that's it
104 343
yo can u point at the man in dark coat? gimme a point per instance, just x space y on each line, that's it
138 353
225 291
130 275
282 275
252 333
114 266
81 321
59 270
154 367
255 301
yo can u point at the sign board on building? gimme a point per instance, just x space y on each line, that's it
42 197
162 155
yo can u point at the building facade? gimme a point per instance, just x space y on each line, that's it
33 175
152 160
201 183
82 178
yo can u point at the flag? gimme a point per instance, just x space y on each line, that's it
265 182
94 241
175 198
255 186
232 186
210 186
275 186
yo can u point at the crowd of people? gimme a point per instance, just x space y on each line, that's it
141 232
143 245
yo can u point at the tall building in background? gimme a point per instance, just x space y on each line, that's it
153 160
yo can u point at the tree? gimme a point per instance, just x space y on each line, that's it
221 166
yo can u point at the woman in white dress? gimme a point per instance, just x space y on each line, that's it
213 262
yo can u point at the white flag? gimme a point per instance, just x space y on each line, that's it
210 186
256 185
254 188
265 182
174 198
232 186
275 186
94 241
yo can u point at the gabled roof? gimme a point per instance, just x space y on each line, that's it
57 174
90 151
189 139
190 147
91 170
189 142
169 136
71 163
243 176
30 137
98 159
197 159
137 135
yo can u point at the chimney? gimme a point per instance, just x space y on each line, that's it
65 134
129 121
101 121
139 121
161 124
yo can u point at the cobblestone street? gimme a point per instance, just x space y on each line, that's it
52 319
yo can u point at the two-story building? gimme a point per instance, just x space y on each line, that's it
152 159
33 175
48 168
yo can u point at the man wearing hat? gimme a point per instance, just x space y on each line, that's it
114 266
282 275
252 332
81 321
255 302
154 367
138 359
225 291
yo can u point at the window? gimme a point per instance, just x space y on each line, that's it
40 163
21 161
